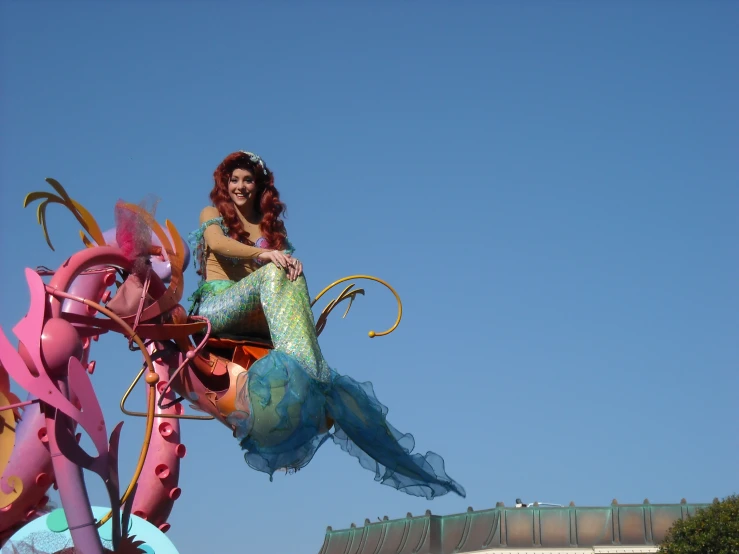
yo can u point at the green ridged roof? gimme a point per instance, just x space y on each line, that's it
533 527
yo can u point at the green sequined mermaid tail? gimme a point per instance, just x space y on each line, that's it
268 297
284 399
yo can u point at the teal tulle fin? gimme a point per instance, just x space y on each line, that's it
363 431
280 420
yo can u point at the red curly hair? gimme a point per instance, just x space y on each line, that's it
268 200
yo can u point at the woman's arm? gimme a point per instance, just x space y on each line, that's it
223 245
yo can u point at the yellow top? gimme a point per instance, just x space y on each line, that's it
226 258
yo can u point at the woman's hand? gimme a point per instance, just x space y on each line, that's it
276 257
283 261
295 269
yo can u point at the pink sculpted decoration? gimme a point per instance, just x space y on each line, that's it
51 364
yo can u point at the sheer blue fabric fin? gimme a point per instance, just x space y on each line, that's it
363 431
281 422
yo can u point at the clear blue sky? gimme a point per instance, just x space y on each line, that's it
552 187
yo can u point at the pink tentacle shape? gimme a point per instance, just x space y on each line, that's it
30 461
158 484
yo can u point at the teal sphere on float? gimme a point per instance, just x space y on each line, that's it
52 528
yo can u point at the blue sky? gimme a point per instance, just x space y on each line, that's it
550 186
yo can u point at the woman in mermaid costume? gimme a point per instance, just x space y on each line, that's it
253 285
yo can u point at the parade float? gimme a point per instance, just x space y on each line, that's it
92 293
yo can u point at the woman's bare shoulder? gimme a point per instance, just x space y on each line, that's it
209 212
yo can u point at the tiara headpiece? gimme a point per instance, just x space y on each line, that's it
256 159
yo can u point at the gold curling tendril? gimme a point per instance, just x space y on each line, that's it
7 443
78 211
346 293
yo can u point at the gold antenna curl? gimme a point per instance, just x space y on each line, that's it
350 294
78 211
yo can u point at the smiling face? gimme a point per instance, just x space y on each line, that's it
242 187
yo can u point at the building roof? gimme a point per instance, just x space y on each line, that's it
616 528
